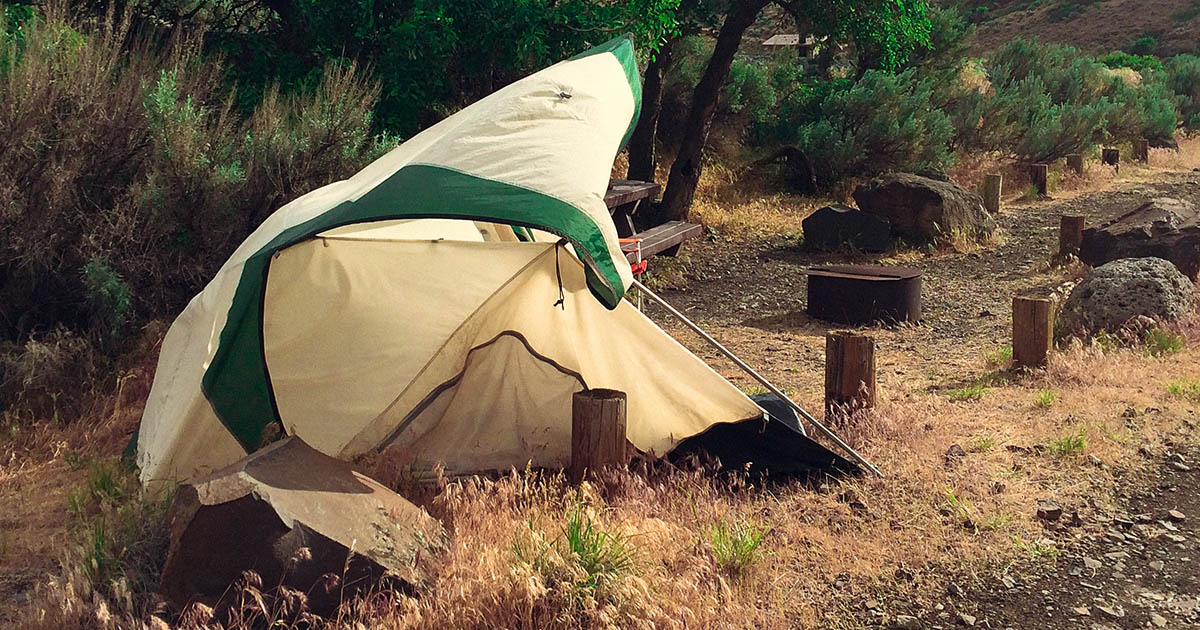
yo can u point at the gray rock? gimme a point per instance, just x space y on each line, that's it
922 208
1049 510
906 622
1119 291
836 225
291 516
1166 228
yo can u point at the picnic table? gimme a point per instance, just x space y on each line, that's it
624 198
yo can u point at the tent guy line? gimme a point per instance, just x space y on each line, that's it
756 376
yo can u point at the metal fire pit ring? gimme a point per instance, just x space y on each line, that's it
860 294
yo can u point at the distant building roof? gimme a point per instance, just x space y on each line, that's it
783 39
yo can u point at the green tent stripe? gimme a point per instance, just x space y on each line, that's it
237 383
622 48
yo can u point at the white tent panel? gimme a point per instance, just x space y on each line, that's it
349 323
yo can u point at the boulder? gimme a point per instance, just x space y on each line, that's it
291 518
922 208
1165 228
833 226
1123 290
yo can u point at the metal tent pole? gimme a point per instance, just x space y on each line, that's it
755 375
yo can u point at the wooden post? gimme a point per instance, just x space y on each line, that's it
1038 175
1112 157
849 373
1070 234
1075 162
1033 331
992 185
1141 150
597 431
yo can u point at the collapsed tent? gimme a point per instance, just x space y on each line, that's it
446 301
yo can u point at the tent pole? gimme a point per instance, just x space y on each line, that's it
755 375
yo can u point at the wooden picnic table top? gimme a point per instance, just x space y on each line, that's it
623 191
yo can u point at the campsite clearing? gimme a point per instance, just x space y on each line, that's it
835 553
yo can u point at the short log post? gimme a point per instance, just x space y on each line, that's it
1141 150
1111 157
1075 163
849 373
1070 234
597 431
1038 176
992 186
1033 331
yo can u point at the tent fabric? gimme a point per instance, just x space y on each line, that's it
351 305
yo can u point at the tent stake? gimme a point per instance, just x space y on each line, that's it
755 375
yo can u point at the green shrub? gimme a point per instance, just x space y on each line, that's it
1045 399
1183 76
881 122
1144 46
127 177
1119 59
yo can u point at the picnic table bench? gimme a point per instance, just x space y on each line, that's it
624 198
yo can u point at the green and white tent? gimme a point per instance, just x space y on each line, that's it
446 301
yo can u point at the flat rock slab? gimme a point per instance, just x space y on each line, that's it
1165 228
836 225
921 208
300 519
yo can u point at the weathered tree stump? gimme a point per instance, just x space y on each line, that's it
1070 234
597 431
1111 157
1075 162
1141 150
849 373
992 186
1038 176
1032 331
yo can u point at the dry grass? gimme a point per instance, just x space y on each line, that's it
824 550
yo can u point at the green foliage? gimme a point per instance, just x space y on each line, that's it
600 554
1158 342
973 392
1001 357
128 176
120 534
1045 399
1119 59
431 56
1183 76
1144 46
981 444
109 300
1069 444
1186 388
881 122
735 545
1188 12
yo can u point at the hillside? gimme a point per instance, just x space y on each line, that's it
1094 27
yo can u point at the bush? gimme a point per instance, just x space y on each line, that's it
1118 59
127 177
1144 46
881 122
1183 76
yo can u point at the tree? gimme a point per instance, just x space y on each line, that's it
431 57
885 32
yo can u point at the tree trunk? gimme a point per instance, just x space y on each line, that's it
685 171
642 159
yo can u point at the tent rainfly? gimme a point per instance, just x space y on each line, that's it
447 300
